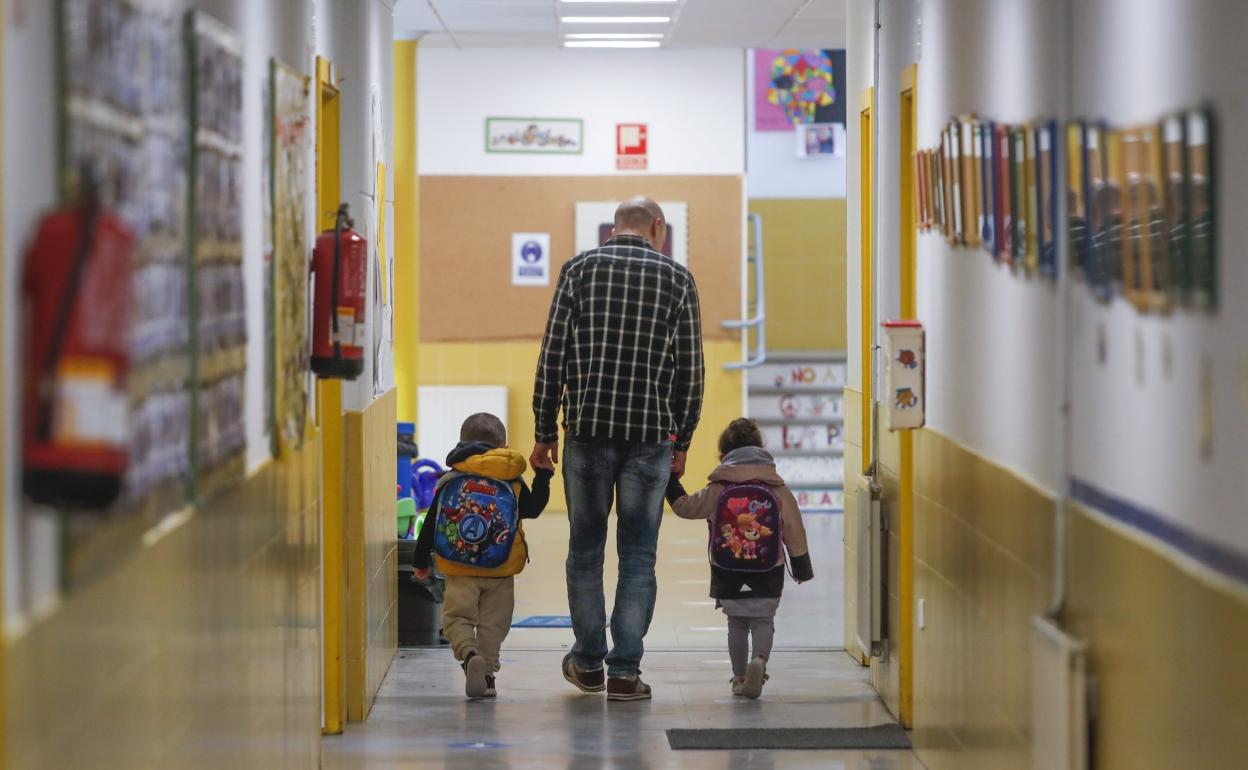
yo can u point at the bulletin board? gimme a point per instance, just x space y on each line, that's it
291 180
466 227
219 324
129 128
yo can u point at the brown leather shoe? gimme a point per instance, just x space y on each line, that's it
627 688
585 681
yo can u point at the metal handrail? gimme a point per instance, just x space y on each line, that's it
759 320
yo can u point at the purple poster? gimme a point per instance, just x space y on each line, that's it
793 86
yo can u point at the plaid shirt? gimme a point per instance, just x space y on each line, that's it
622 353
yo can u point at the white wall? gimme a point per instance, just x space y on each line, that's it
773 168
992 342
1140 439
691 100
356 35
993 336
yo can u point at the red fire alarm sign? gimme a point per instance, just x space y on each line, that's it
630 146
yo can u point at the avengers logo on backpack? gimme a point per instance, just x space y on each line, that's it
745 531
477 521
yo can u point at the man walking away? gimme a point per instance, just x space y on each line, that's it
622 356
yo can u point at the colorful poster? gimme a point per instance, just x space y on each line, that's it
794 86
290 186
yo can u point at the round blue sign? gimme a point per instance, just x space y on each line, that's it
472 528
531 252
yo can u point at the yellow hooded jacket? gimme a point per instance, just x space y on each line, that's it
501 465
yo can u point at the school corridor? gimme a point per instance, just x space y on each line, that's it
297 296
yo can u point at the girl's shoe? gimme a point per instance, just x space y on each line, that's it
755 676
490 691
737 682
476 670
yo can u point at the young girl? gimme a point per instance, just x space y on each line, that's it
751 512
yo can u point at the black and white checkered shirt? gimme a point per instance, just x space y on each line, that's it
622 353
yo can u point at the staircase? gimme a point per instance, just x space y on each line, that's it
797 398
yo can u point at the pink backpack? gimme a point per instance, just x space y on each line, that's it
745 531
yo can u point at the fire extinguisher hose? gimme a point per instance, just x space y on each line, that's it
337 279
47 383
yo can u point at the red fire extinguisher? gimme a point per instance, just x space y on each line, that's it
341 268
76 404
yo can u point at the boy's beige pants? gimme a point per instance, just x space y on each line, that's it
476 615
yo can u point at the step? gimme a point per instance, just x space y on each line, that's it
807 471
820 500
791 406
804 437
761 390
799 374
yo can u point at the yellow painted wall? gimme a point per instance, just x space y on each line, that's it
983 563
1168 648
514 363
804 260
372 551
198 651
853 469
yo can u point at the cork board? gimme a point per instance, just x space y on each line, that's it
466 224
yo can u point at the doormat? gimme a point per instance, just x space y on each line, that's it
890 736
543 621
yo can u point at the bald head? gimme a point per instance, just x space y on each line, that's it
636 215
641 216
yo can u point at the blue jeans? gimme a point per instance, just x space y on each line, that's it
595 472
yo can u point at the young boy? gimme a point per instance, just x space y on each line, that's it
474 526
747 562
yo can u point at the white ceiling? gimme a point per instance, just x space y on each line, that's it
695 23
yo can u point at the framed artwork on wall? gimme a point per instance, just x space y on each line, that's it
1201 140
970 181
1101 254
935 164
558 136
1018 190
987 189
1046 191
1076 201
946 182
920 188
1031 254
1004 194
1174 174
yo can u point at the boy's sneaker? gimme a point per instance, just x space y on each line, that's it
736 683
755 675
627 688
476 672
585 681
490 692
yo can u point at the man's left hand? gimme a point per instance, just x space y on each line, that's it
678 463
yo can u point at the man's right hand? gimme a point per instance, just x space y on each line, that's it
545 455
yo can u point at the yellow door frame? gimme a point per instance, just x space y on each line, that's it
866 230
908 222
329 405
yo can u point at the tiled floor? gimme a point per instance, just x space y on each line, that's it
422 720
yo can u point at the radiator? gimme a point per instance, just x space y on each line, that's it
870 567
1059 699
443 408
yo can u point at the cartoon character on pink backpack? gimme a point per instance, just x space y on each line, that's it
751 531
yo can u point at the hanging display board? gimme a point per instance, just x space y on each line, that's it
121 110
219 328
291 179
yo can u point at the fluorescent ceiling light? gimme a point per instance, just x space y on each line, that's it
615 19
617 2
611 44
614 36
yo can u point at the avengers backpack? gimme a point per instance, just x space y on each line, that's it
477 521
745 530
